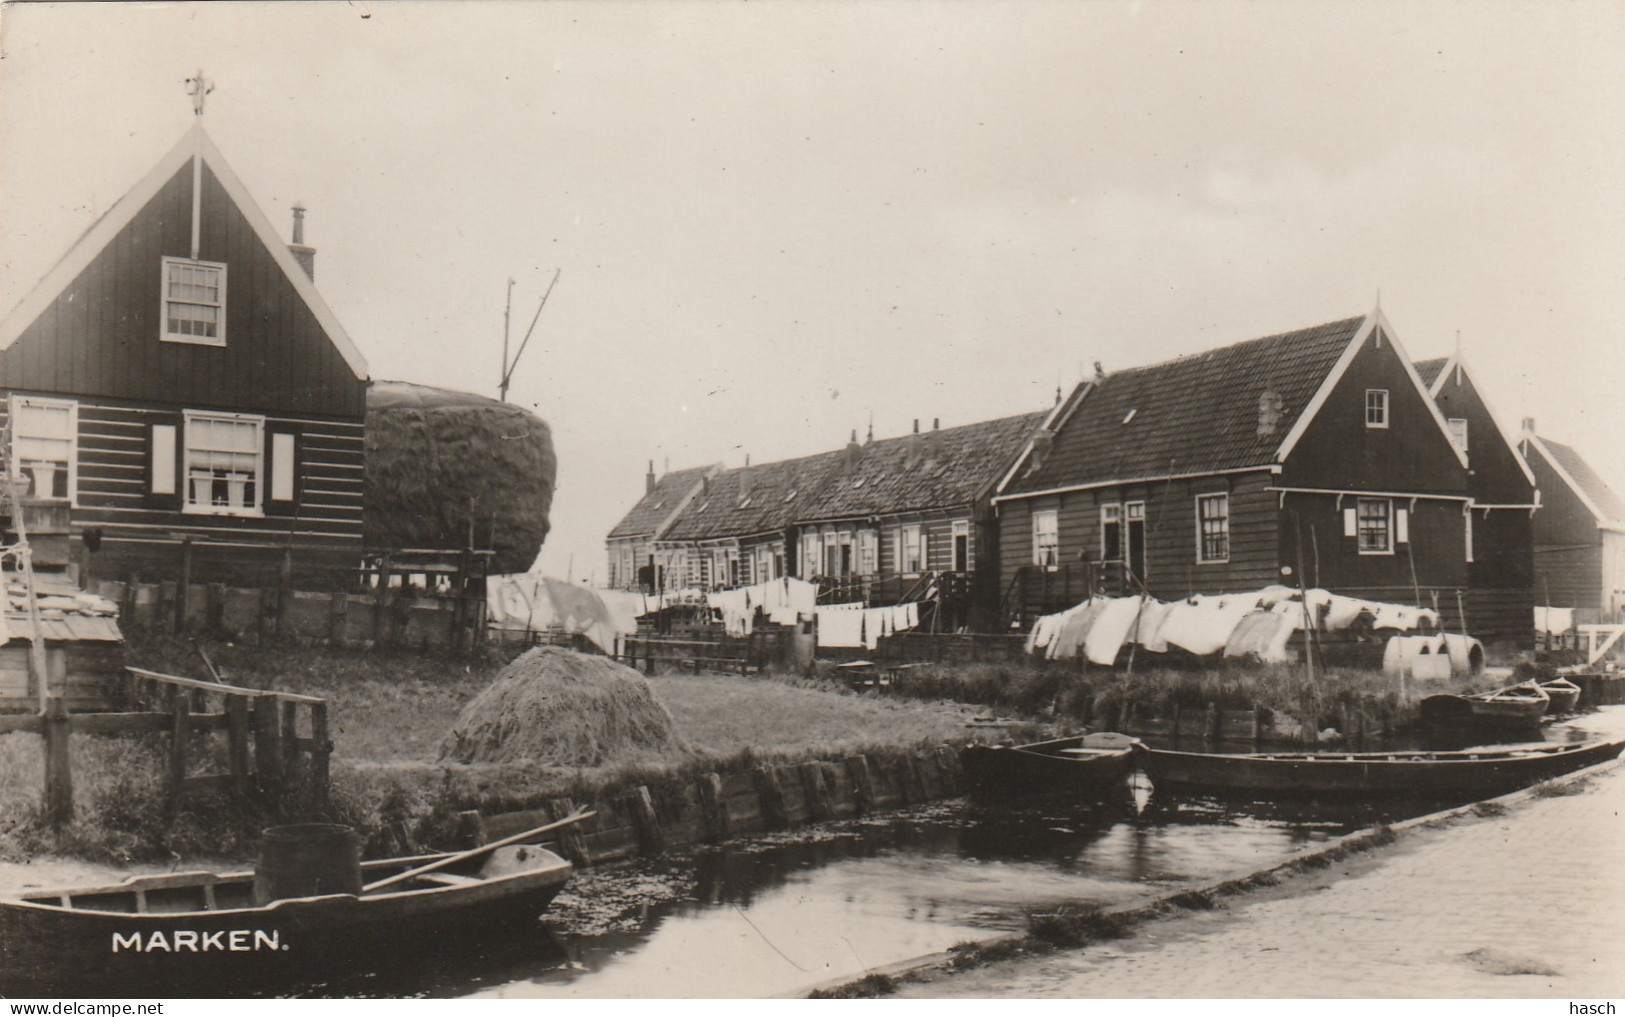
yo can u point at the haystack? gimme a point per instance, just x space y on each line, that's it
439 459
561 708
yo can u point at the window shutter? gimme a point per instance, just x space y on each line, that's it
1402 526
1351 522
164 457
281 469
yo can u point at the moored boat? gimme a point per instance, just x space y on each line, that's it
204 933
1463 775
1518 706
1564 695
1090 766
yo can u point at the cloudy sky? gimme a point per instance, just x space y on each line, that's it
777 220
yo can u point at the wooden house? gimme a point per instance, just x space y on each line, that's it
911 516
1500 596
631 544
738 528
1315 455
1579 532
177 382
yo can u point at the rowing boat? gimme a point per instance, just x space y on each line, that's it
1564 695
205 933
1517 706
1090 766
1463 775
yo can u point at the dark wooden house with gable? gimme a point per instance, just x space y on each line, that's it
1316 452
1579 532
176 381
1501 573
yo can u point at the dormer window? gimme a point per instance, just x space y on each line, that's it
1376 407
194 302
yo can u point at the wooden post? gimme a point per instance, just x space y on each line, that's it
217 607
267 742
290 743
380 602
185 584
58 771
338 614
180 732
237 738
284 592
651 839
319 753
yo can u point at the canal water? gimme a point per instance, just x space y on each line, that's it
777 914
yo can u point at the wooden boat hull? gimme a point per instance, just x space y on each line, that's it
1463 776
47 950
1564 695
1518 707
1046 768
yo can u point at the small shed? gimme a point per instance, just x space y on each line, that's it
84 649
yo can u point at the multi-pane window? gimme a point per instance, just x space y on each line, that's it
1376 407
223 458
1458 431
194 302
1374 526
1213 528
913 550
1111 533
868 552
1046 538
44 442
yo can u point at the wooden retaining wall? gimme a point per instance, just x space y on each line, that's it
717 807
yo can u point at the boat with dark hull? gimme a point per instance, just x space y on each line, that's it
1564 695
1515 707
1091 766
1463 775
199 933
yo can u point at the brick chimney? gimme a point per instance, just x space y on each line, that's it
306 256
745 479
854 451
913 445
1528 427
649 479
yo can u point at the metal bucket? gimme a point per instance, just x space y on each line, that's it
307 860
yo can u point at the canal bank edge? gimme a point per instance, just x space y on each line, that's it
1094 925
711 808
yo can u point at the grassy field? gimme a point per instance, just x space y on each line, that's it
388 714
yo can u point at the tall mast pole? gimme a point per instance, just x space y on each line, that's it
507 311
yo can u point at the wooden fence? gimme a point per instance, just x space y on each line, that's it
266 753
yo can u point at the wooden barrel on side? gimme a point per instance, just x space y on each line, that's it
307 860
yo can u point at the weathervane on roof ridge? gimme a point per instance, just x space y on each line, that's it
198 88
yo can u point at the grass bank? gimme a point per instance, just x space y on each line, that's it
388 713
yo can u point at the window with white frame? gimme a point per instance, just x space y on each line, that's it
868 552
45 445
913 550
194 302
1376 407
1212 528
1046 538
1111 533
1458 431
1374 525
809 555
223 460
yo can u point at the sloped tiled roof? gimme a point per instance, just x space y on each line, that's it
1195 414
1591 484
655 506
938 469
756 499
1429 369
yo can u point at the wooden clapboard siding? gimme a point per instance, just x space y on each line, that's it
1435 556
100 336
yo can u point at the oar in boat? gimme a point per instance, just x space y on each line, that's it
422 870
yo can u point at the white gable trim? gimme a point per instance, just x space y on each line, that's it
1335 376
96 239
1053 423
1597 513
1458 362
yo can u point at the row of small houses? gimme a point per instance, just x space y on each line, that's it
1324 456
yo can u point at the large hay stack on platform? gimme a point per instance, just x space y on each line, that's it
561 708
437 459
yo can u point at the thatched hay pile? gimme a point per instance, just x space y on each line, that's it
437 458
561 708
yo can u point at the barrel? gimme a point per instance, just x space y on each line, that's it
307 860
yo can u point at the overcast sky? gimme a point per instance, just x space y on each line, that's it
775 220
